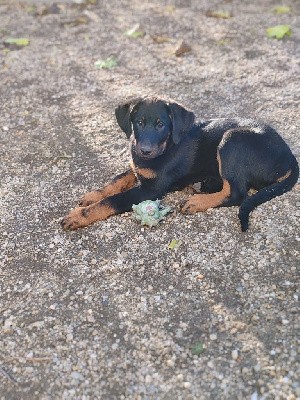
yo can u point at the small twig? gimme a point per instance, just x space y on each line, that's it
31 359
123 151
37 359
7 375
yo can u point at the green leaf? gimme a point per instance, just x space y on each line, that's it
108 63
135 32
282 10
279 31
17 41
198 349
174 244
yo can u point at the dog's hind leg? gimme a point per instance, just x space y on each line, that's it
232 193
202 202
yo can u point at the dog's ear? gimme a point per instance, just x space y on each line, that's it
123 114
123 117
182 121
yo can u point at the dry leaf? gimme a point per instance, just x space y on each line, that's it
82 20
218 14
45 10
92 15
160 39
182 49
170 9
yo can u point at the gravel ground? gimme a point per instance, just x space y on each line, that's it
110 312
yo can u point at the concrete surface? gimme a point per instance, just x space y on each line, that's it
110 312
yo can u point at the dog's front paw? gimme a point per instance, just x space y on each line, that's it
83 216
75 219
90 198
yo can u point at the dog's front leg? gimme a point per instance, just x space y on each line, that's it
120 183
116 204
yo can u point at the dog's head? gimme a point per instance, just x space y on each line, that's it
154 123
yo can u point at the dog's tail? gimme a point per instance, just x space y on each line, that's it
276 189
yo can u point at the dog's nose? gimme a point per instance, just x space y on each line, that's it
146 150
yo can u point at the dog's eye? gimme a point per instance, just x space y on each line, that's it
160 124
139 122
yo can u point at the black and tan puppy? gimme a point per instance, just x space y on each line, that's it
169 151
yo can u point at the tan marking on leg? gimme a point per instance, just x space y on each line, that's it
91 197
202 202
83 216
121 185
146 173
284 176
126 182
